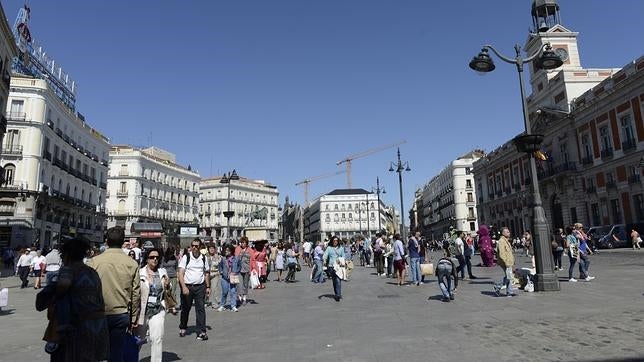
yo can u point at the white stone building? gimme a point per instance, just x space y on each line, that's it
246 198
147 185
345 212
55 169
448 199
8 51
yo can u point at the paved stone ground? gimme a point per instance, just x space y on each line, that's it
379 321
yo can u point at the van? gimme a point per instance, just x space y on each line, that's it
619 235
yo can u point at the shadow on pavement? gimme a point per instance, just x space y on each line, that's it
330 296
7 311
167 356
488 293
625 359
490 282
438 297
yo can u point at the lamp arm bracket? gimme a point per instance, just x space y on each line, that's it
498 54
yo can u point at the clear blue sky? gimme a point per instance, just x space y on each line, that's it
281 90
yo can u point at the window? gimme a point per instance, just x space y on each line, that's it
123 171
627 128
615 211
563 150
335 207
604 137
468 184
350 216
472 226
470 197
470 212
9 174
638 204
121 208
12 139
342 207
336 218
585 145
123 187
327 218
17 108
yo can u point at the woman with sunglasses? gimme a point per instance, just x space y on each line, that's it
331 255
154 282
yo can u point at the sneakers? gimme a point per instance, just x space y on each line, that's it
497 290
202 337
572 280
221 309
234 309
511 295
589 278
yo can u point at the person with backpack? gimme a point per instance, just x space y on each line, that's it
194 278
455 249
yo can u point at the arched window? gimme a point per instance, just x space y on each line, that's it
121 207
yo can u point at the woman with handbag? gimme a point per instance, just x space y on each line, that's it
244 254
292 264
154 284
229 276
558 248
333 252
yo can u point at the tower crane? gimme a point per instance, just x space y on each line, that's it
307 181
347 161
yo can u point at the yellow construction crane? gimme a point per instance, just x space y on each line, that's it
307 181
347 161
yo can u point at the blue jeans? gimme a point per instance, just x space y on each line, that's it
444 275
415 270
571 268
507 280
584 263
227 288
337 283
318 277
117 325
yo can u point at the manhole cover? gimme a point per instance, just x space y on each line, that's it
389 296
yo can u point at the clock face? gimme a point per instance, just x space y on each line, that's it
562 53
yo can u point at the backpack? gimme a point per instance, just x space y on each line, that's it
203 259
452 249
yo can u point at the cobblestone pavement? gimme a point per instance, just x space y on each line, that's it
379 321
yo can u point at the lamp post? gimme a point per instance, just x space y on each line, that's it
545 59
378 190
368 226
399 167
226 179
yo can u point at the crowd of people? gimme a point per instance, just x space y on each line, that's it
122 293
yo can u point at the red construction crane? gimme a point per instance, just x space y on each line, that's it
307 181
354 156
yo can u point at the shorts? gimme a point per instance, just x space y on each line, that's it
399 265
307 255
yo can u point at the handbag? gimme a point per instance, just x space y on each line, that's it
234 279
254 280
427 269
298 267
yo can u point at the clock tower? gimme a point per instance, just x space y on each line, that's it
547 28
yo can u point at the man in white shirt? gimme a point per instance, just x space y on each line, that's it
137 251
52 262
460 250
22 267
307 253
194 279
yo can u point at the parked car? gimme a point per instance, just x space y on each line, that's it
595 233
619 235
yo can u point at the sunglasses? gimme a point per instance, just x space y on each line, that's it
153 257
195 246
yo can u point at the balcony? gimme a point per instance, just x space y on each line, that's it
16 116
47 156
633 179
499 193
94 182
588 160
50 124
124 173
471 218
607 153
507 190
121 193
628 145
611 184
59 132
591 189
490 196
103 185
527 181
12 150
517 186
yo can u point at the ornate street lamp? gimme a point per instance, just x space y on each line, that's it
378 190
226 179
399 167
545 59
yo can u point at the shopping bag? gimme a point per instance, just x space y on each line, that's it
131 348
254 280
4 297
427 269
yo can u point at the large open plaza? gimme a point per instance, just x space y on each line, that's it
380 321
